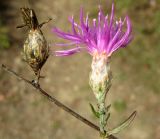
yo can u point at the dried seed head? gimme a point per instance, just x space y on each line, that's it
36 50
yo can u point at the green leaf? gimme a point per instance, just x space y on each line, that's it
108 116
94 111
108 107
123 124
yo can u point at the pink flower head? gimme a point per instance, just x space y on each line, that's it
103 36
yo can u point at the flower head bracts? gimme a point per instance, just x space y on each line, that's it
104 35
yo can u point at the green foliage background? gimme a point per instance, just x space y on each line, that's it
4 39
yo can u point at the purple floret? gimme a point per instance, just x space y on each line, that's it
104 35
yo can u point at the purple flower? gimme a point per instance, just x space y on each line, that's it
103 36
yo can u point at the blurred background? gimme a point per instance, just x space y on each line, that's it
25 114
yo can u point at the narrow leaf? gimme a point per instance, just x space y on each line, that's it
108 107
108 116
123 124
94 111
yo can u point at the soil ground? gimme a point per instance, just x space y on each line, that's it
25 114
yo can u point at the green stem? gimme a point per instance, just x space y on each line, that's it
102 114
102 117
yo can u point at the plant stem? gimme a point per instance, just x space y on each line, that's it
52 99
102 117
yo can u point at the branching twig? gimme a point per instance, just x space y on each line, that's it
52 99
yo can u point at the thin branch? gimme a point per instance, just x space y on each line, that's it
52 99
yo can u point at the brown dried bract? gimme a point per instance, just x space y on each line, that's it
35 49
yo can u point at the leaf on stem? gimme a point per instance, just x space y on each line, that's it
94 111
122 125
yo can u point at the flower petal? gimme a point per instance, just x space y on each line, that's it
125 38
67 52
